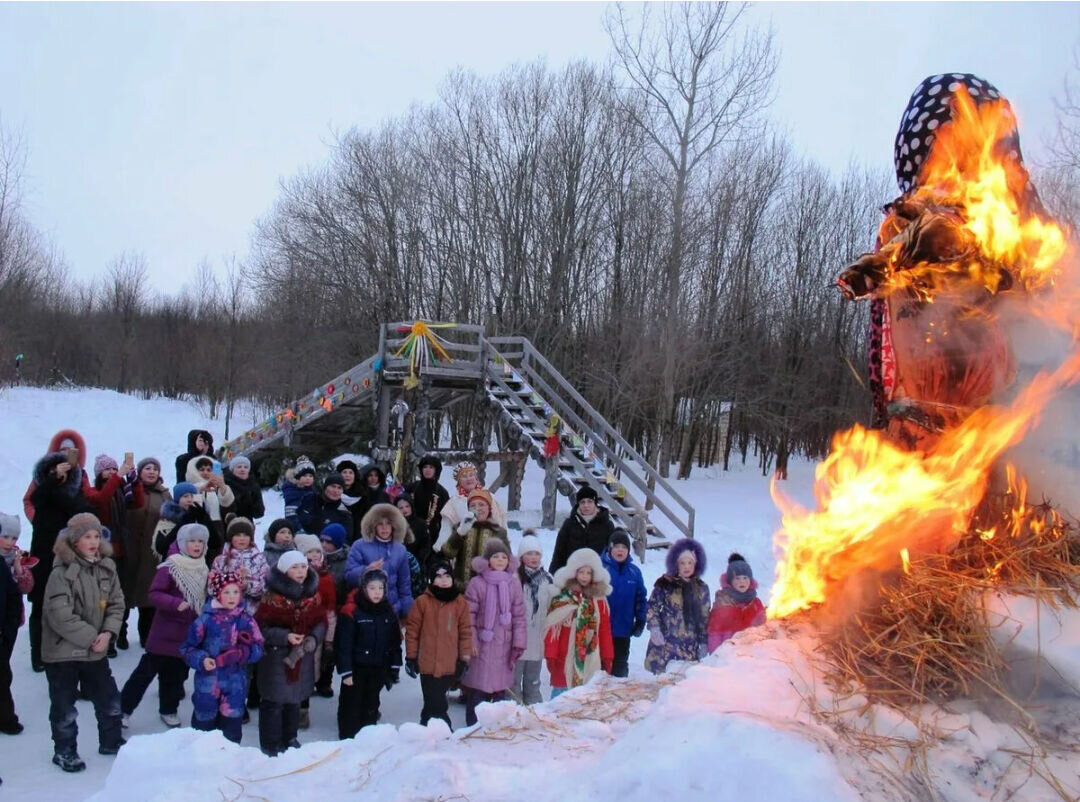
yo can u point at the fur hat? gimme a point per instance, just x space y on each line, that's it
463 468
384 512
483 495
333 479
347 464
306 543
585 558
671 563
619 537
102 463
585 492
218 580
289 559
495 546
239 461
737 566
303 466
10 525
529 542
276 526
147 461
79 525
240 526
183 489
335 533
190 532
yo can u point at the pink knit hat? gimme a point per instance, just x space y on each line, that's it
102 463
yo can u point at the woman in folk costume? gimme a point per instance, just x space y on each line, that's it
456 510
472 534
577 637
936 351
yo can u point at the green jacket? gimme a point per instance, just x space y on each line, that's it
82 599
463 549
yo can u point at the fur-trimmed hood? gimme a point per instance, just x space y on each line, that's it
193 435
671 563
191 474
50 461
73 436
377 513
480 564
601 584
172 511
67 555
279 582
361 476
434 462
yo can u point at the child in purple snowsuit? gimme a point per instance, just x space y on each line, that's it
220 644
677 614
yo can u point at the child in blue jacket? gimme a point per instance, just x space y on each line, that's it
627 601
220 644
298 490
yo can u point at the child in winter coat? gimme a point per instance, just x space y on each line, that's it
416 543
293 623
737 606
536 584
382 533
298 490
279 539
221 643
577 631
368 652
177 594
500 627
311 547
84 607
438 640
16 580
183 509
476 528
678 610
333 543
215 496
242 557
627 599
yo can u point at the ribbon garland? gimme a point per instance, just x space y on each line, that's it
421 346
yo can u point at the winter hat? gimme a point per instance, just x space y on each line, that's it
585 558
79 525
303 466
10 526
586 492
291 558
434 462
239 461
218 580
306 543
276 526
463 468
191 532
438 564
619 537
529 543
102 463
347 463
373 575
738 566
405 496
676 550
182 489
147 461
481 493
240 526
335 533
495 546
333 479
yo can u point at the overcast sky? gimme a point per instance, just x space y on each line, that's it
164 129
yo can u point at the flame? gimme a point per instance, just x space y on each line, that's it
875 500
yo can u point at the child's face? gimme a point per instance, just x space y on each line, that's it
469 482
307 480
428 471
328 546
195 548
406 508
241 542
619 553
149 474
373 479
443 579
741 583
532 559
206 471
314 556
384 530
230 597
333 492
374 591
499 562
89 544
283 537
186 501
480 509
583 575
241 471
686 563
108 473
7 543
349 475
297 573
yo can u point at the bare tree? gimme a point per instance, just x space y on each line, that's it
124 296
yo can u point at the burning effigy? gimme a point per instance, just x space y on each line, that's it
920 516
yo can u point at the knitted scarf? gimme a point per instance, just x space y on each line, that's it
534 580
189 574
496 603
9 555
579 612
444 594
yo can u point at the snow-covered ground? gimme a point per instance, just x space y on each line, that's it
746 721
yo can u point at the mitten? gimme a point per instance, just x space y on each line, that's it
392 677
231 657
639 627
466 524
295 655
515 655
656 637
412 667
462 667
310 644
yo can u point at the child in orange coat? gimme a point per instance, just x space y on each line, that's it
737 606
577 632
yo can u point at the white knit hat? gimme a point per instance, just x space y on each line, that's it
10 526
289 559
529 543
306 543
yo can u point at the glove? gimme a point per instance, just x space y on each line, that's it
656 637
392 677
310 644
606 665
638 629
466 524
515 655
245 638
703 651
412 667
237 656
462 667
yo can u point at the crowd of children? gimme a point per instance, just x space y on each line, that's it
348 581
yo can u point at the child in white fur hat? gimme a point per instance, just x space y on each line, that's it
577 639
536 584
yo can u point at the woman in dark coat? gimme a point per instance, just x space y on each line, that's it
429 496
246 489
141 562
200 443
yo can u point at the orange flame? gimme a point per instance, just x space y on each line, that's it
876 501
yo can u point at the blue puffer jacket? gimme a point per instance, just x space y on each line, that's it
628 597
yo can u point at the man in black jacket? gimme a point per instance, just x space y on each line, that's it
588 527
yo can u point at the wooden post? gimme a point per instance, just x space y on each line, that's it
639 537
551 492
517 466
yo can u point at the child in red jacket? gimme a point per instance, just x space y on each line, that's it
737 606
577 631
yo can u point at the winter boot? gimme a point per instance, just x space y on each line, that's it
111 750
171 719
69 761
305 718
